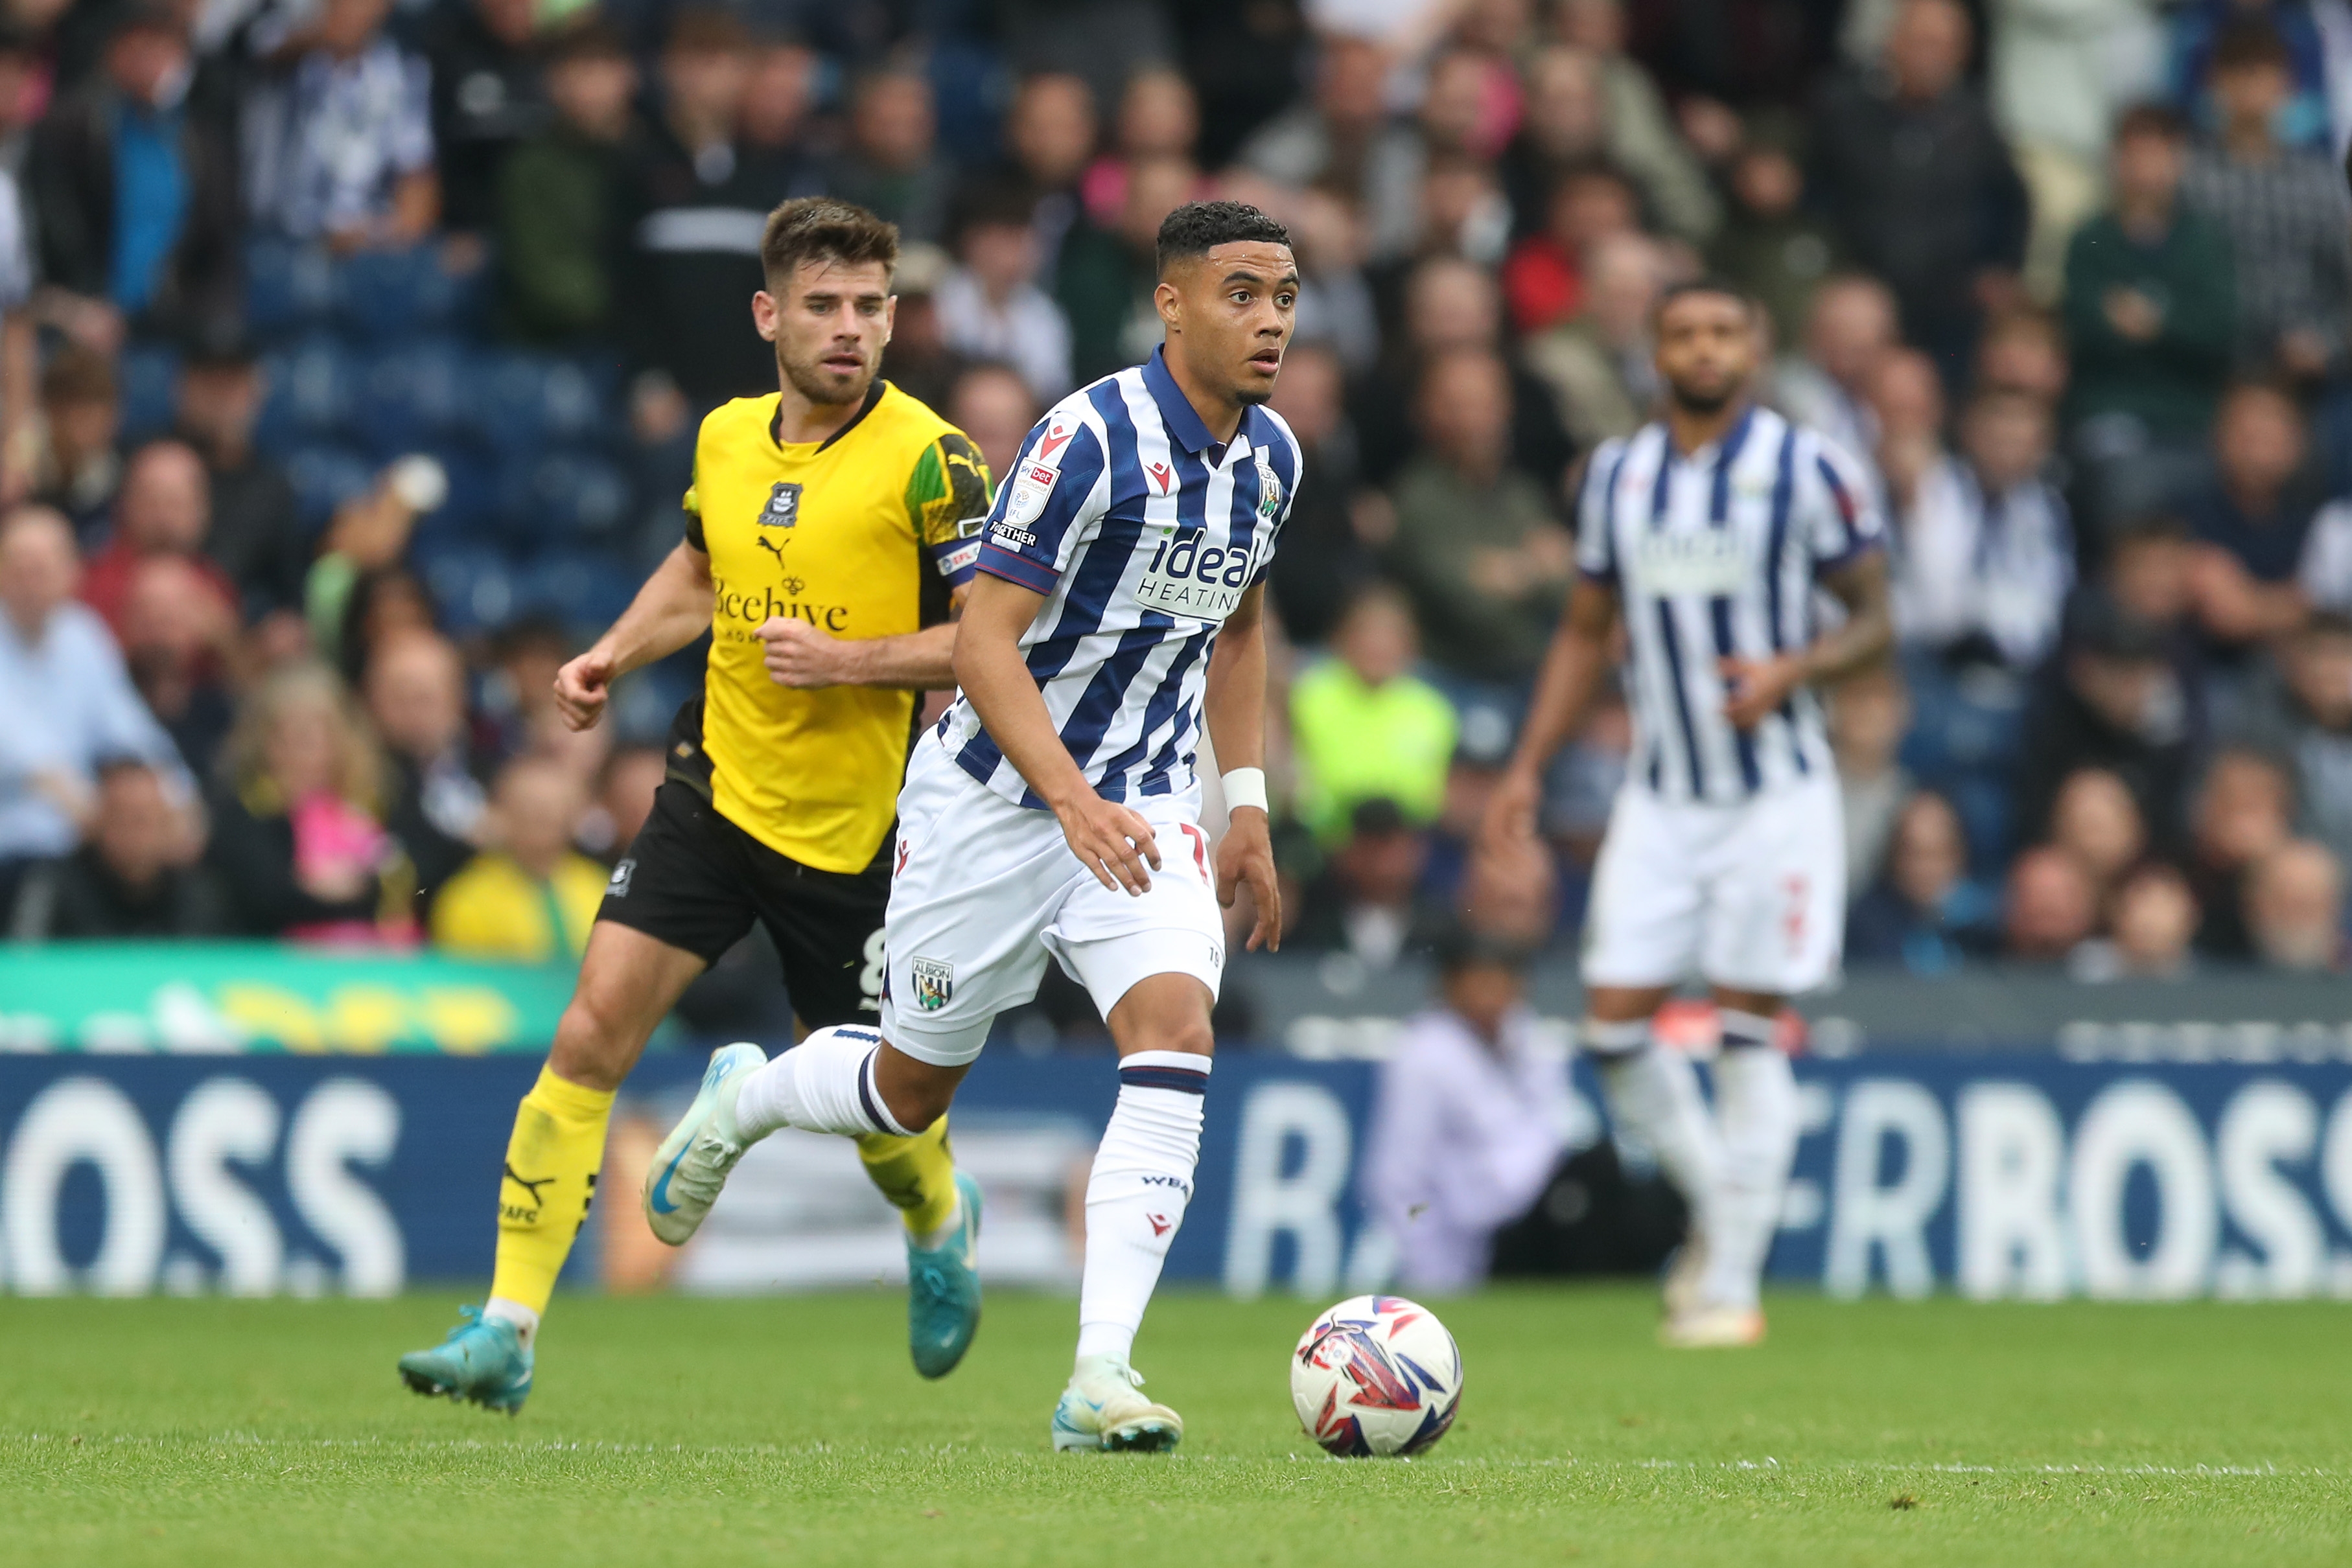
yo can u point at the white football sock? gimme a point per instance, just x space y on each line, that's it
1755 1104
499 1310
824 1084
1653 1092
1135 1196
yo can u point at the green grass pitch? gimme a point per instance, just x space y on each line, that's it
792 1431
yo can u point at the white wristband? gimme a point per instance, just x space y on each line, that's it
1245 786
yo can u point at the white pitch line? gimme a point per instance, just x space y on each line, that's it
226 1440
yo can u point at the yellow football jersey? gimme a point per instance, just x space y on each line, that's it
862 535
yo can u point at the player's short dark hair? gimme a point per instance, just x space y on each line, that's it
1198 227
2160 119
821 228
2248 44
1707 283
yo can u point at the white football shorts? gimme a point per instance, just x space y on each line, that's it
985 893
1749 896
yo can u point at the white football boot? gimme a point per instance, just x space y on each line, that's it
1101 1412
1704 1327
1685 1276
693 1162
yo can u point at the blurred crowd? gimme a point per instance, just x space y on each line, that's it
354 349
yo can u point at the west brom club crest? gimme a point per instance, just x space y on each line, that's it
934 983
1269 492
784 508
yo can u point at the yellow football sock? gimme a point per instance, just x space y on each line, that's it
550 1179
916 1173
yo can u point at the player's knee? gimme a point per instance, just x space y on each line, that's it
915 1092
593 1047
917 1107
1185 1032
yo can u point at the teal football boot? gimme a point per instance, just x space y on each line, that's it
943 1291
482 1360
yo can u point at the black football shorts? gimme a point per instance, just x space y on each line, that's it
695 880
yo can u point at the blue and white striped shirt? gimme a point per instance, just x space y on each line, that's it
1143 535
1714 554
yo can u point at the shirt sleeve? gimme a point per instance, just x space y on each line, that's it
691 502
947 497
1844 523
1596 536
1048 505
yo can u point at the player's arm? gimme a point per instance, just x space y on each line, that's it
1109 841
1756 687
670 610
800 654
1572 668
1847 534
1234 704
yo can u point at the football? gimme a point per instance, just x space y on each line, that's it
1375 1376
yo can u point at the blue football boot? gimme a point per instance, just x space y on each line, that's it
482 1360
943 1291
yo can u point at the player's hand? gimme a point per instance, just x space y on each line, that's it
582 687
1111 842
1246 855
1510 820
801 656
1756 687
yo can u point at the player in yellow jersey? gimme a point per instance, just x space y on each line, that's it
828 535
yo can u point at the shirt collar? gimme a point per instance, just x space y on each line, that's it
1175 408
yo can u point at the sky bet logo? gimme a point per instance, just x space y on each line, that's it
1190 576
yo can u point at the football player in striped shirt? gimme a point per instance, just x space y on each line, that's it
1116 619
1702 536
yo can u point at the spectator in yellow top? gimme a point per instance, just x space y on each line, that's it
531 897
1366 726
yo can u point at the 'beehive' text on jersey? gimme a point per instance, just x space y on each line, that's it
1143 535
1715 553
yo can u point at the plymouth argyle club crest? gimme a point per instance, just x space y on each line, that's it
934 983
784 508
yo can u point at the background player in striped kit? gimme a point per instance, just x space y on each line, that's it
1116 618
1704 535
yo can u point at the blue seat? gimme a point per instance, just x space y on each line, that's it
472 584
562 497
523 401
288 287
314 391
149 376
389 296
583 589
470 513
413 398
324 477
